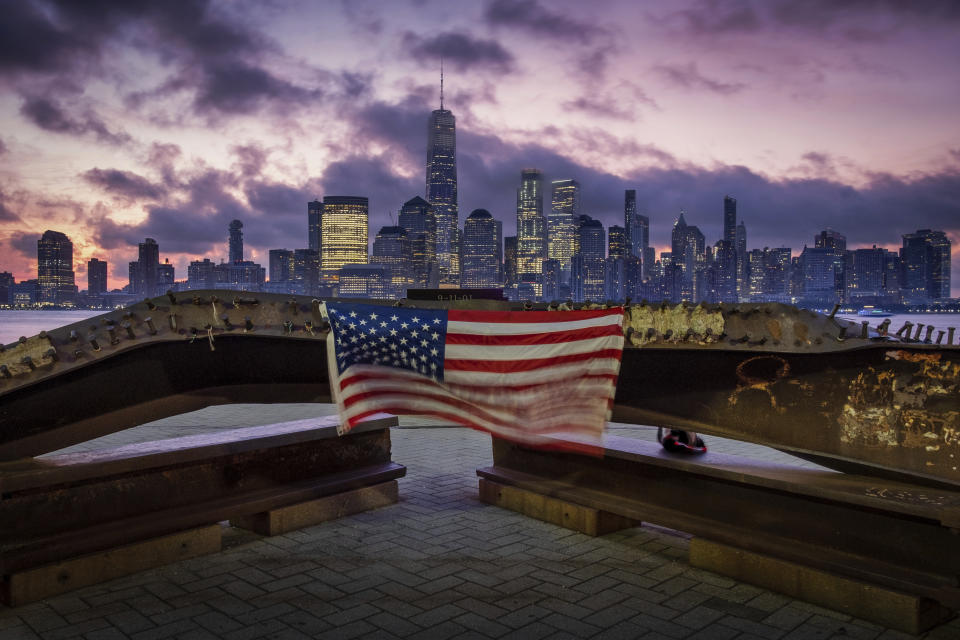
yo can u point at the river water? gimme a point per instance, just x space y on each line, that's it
14 324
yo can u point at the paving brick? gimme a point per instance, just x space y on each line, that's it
130 622
482 625
439 564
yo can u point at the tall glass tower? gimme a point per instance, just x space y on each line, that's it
531 228
442 187
562 224
55 268
236 242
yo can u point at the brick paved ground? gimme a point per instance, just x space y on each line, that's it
438 564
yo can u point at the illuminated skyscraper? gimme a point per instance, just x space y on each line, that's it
442 187
617 242
562 224
480 268
55 269
96 277
417 217
925 264
314 215
531 229
344 235
236 241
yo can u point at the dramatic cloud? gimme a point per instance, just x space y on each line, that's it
536 19
124 184
856 19
461 50
240 88
689 77
604 108
6 215
50 116
30 41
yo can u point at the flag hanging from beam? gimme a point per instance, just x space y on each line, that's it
526 376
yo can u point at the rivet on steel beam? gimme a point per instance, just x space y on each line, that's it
149 304
74 336
152 328
112 330
173 322
865 329
225 319
668 334
906 327
129 329
173 298
92 339
919 329
926 336
77 354
5 372
940 335
884 327
27 360
247 324
52 354
651 333
950 335
843 334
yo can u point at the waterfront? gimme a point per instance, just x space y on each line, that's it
14 324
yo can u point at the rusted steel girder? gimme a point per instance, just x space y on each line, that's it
61 506
882 532
871 398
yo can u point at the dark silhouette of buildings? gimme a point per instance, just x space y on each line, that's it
96 277
314 219
236 241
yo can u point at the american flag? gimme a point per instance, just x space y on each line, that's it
526 376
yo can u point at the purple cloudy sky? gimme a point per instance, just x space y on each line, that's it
122 120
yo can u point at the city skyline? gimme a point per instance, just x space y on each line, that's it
847 125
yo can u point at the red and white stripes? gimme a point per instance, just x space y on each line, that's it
520 375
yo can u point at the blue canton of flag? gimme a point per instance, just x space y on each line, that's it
411 339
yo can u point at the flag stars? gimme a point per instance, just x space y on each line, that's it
435 335
373 316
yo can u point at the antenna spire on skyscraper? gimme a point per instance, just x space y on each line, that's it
441 84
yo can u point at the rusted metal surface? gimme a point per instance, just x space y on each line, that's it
873 399
60 506
897 535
